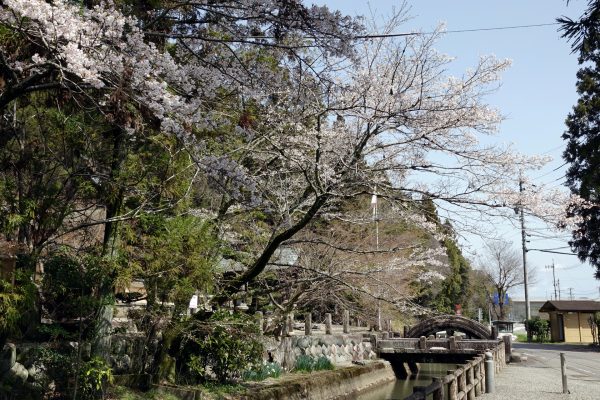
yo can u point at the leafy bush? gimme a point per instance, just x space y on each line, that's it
15 302
306 363
538 328
219 348
57 364
262 372
70 284
94 376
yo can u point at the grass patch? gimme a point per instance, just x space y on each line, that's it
213 390
521 337
219 389
124 393
306 363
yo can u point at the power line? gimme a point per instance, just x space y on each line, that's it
552 251
498 28
550 172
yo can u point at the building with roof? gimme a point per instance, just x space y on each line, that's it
517 310
570 320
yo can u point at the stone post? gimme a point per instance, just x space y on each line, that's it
471 381
563 371
307 324
423 343
290 324
328 324
482 372
507 346
494 332
452 343
489 373
405 331
439 393
477 376
259 322
452 386
461 380
346 321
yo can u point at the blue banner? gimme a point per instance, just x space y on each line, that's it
496 299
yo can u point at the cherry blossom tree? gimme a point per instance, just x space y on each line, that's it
284 110
392 123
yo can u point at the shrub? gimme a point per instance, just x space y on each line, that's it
220 348
538 328
93 379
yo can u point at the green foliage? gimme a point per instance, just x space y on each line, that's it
15 302
124 393
54 332
57 362
583 136
175 255
537 328
521 337
70 285
263 371
455 286
94 376
305 363
219 348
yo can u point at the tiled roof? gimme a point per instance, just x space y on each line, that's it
570 305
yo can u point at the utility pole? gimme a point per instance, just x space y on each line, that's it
376 220
570 293
553 278
558 284
523 242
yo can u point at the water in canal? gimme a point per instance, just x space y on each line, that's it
400 389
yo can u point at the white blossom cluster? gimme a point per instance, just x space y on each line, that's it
324 118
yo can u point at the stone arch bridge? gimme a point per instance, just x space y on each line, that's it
430 326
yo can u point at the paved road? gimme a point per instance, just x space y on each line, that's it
539 378
583 362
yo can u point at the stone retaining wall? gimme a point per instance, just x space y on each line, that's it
339 349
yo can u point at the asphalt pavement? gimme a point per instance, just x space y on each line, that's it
539 377
583 361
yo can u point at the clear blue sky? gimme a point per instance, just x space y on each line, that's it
536 95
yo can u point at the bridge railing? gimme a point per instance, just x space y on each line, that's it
423 343
466 382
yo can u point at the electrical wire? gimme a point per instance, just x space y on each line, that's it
498 28
402 34
552 251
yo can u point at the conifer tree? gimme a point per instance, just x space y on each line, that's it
583 134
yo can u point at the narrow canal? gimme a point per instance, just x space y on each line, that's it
400 389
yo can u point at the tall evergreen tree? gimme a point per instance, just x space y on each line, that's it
583 133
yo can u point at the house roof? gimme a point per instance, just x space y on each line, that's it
570 305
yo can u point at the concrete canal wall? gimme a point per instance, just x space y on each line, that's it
340 384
